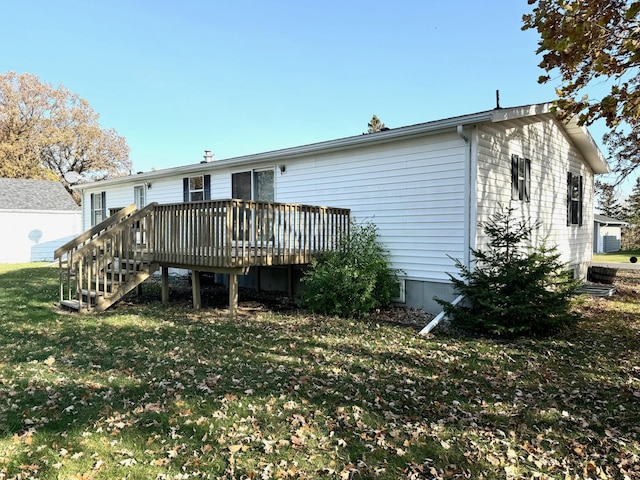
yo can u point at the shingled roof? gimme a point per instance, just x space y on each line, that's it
28 194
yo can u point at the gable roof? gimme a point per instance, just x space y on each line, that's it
601 219
30 194
580 136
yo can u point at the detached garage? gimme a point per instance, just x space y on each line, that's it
607 234
36 217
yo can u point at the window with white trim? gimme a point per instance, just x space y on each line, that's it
196 189
520 178
140 196
253 185
574 198
98 208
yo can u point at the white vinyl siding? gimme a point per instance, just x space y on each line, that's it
413 190
552 155
417 190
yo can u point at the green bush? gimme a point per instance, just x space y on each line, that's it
515 288
353 280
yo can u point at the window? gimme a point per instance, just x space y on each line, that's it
257 185
241 185
263 190
520 178
253 185
98 208
196 189
140 196
574 199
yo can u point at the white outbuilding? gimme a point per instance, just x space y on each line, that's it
36 217
607 234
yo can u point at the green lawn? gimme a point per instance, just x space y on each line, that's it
616 257
147 392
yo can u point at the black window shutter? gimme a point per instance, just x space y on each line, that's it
527 179
568 198
185 189
580 204
104 205
91 213
514 177
207 187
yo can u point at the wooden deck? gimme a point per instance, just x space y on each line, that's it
228 236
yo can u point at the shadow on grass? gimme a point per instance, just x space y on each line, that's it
151 380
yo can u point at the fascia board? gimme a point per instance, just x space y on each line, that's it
587 146
387 136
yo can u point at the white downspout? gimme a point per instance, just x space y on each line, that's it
460 132
470 175
433 323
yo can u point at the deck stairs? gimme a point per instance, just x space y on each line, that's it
102 265
227 236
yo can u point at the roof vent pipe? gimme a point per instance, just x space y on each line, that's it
208 156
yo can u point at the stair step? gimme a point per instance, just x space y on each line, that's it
91 293
71 304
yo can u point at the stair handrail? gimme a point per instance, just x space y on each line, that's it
134 217
106 224
90 251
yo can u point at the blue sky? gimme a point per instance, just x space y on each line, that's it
241 77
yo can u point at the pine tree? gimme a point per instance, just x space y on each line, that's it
633 205
608 202
515 288
375 125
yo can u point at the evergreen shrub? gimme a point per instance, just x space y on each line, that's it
515 288
353 280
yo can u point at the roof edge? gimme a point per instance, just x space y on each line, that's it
587 146
579 135
376 138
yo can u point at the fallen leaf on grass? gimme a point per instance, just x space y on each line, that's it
296 441
237 448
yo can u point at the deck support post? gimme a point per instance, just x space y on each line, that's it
195 285
165 285
290 280
233 295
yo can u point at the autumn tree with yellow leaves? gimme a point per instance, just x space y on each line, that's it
46 132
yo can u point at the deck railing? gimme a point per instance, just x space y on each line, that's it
242 233
94 232
102 264
98 271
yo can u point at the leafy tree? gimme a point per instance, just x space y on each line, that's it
375 125
515 288
353 280
46 132
607 201
594 43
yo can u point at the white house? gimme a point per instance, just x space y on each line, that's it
425 186
607 234
36 217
